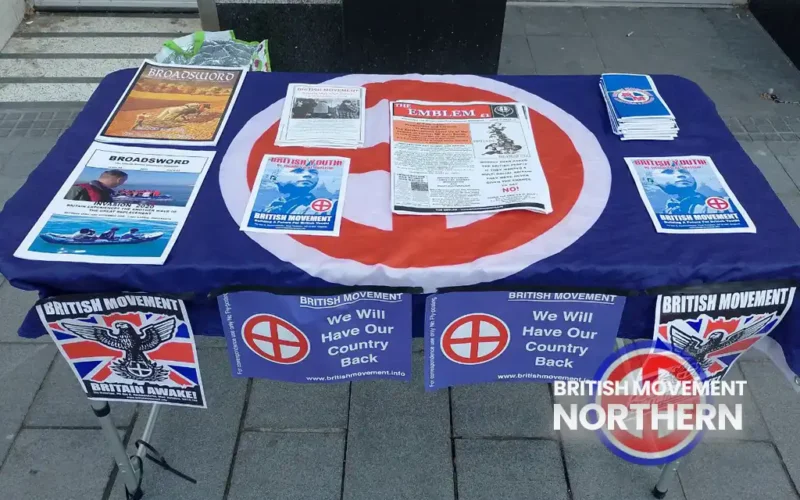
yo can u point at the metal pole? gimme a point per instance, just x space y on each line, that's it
148 430
668 473
103 413
209 19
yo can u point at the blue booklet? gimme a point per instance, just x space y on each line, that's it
634 97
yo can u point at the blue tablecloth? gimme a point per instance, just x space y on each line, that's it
620 251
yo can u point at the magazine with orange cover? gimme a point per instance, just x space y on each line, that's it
174 105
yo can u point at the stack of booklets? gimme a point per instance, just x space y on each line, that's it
636 109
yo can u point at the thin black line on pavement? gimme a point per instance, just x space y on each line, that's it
452 443
346 434
239 432
561 447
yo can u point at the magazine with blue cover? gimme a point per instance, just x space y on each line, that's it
634 97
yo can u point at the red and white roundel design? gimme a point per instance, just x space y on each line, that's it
275 339
376 247
649 445
717 203
474 339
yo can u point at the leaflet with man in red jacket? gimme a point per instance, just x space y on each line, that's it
120 205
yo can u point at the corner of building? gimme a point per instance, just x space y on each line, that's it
11 14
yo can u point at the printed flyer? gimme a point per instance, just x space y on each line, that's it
298 195
474 337
470 157
129 347
687 194
174 105
324 116
333 338
120 205
716 328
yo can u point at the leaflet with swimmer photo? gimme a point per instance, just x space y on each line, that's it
297 195
120 205
687 194
174 105
467 157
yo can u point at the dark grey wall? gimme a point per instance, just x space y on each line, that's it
781 19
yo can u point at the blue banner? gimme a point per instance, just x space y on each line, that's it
332 338
473 337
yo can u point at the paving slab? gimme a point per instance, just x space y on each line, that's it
509 469
47 92
679 22
731 93
283 406
773 171
595 472
62 402
780 407
8 186
515 56
734 23
514 23
555 21
63 68
792 166
735 471
49 464
20 165
792 204
642 54
565 55
701 52
502 410
144 45
782 148
616 22
398 443
288 466
22 369
195 441
14 306
753 426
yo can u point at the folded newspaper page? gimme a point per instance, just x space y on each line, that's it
297 195
120 205
469 157
322 115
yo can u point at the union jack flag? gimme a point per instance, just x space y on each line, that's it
715 343
92 360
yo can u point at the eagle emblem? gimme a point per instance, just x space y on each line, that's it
705 351
134 364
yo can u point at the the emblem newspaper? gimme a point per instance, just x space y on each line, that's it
127 347
322 115
687 194
120 205
716 328
474 337
473 157
298 195
333 338
174 105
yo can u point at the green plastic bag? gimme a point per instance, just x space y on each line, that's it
215 48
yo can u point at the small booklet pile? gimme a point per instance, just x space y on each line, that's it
636 109
322 116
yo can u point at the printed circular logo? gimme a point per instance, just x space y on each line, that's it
321 205
503 110
651 379
275 339
377 247
633 96
474 339
717 203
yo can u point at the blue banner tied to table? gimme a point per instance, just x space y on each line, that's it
473 337
331 338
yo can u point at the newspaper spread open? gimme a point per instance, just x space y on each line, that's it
469 157
322 115
120 205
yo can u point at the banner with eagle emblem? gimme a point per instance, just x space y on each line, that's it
715 329
132 347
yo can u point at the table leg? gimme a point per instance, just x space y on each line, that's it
668 473
130 476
